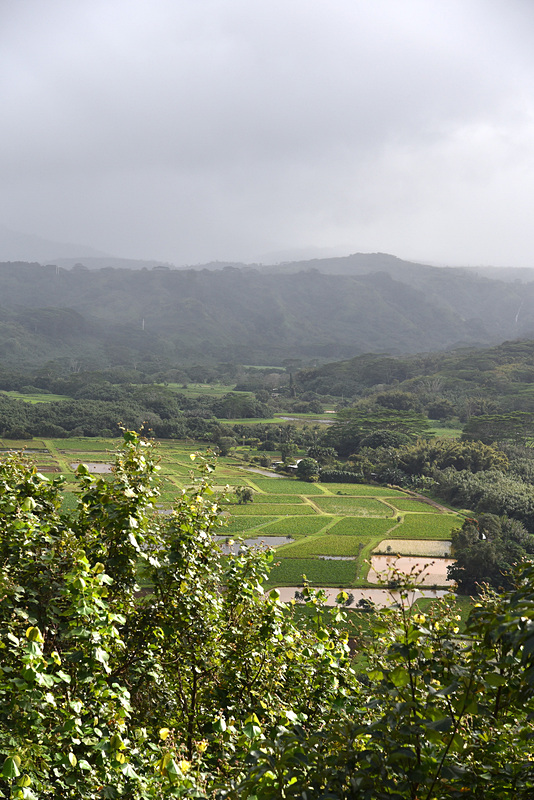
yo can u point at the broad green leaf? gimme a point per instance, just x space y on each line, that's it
10 768
219 726
33 634
399 677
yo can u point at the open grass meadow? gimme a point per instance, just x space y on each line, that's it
38 397
334 527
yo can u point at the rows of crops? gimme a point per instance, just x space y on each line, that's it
323 525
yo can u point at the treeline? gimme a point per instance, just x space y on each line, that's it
100 410
462 383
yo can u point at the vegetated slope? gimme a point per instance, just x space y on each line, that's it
504 371
242 314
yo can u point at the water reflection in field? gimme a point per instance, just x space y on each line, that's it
256 541
380 597
434 570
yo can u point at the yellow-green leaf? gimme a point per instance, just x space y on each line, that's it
33 634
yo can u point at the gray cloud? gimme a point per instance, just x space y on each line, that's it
226 129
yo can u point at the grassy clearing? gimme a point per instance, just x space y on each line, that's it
427 526
23 444
355 506
37 398
326 546
204 389
296 527
290 572
358 526
86 444
286 486
445 433
415 547
285 509
411 504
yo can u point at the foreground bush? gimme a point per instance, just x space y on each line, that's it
111 690
138 662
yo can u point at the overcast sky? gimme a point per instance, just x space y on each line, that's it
192 130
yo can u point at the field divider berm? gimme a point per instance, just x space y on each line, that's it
308 501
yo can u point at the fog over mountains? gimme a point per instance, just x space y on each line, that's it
102 310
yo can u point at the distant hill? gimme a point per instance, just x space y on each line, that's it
17 246
248 315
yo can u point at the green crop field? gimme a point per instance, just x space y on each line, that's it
427 526
410 504
344 520
23 444
362 526
277 498
290 572
327 545
285 509
296 526
85 444
37 398
286 486
245 526
194 390
354 506
360 490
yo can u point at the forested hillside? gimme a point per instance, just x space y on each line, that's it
120 316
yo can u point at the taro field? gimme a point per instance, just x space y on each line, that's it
326 532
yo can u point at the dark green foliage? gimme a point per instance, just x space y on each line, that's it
355 424
340 476
244 494
123 316
486 549
424 457
490 492
515 427
384 438
307 469
323 455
